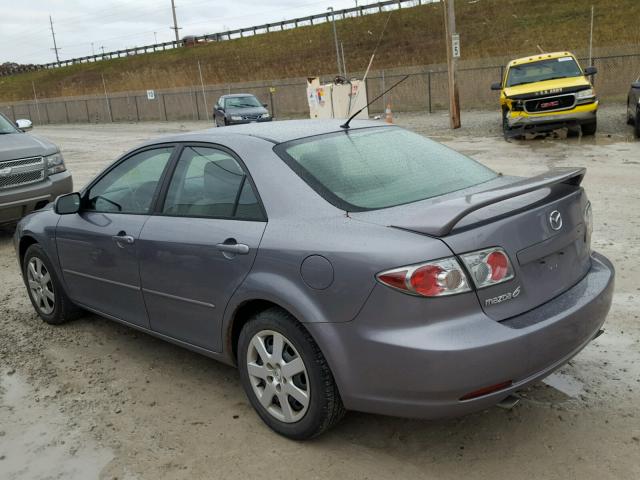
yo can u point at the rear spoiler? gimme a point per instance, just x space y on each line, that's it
445 215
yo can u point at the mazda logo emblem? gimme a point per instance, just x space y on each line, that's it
555 220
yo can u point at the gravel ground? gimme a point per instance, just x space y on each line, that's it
93 399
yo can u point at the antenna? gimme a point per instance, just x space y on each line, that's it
345 125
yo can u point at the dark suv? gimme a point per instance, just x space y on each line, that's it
32 171
239 108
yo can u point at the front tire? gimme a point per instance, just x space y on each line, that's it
286 377
589 128
636 128
45 289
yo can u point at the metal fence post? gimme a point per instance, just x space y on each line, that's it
429 89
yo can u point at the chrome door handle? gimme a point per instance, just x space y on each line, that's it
234 248
120 239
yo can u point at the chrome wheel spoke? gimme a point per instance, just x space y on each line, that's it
48 294
258 344
33 284
295 392
258 371
278 346
46 278
266 399
287 411
32 270
293 368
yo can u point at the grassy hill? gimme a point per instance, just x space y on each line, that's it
488 28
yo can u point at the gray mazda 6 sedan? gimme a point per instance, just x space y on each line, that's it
364 268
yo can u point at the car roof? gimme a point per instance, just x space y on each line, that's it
537 58
274 132
232 95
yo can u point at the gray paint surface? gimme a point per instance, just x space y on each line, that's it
431 351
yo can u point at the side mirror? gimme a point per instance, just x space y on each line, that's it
265 105
24 124
590 71
67 204
496 86
635 85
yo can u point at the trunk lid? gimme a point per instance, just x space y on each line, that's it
548 257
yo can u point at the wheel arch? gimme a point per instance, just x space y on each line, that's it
25 242
242 313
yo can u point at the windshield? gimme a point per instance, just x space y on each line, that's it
562 67
371 168
242 102
6 125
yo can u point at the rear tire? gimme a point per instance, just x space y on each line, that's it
636 129
630 118
272 346
45 289
590 128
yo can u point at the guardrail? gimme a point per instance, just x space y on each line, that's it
228 35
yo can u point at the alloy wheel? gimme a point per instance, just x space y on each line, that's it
278 376
41 286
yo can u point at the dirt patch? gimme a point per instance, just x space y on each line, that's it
95 399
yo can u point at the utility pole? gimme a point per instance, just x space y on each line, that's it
591 39
102 48
175 21
93 50
53 34
155 36
449 31
335 39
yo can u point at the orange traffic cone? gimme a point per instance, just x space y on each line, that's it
388 115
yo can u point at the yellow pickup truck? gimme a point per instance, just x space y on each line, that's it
547 91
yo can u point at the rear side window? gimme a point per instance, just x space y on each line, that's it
210 183
372 168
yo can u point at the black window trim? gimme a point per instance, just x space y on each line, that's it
85 191
171 168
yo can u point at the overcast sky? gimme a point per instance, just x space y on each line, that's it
25 35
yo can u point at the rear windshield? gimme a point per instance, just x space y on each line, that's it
372 168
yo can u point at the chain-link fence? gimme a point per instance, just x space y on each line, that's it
425 90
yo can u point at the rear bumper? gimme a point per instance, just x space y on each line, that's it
577 116
15 203
417 370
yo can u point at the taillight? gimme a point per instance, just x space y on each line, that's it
488 267
433 279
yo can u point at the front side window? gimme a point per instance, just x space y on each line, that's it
242 102
372 168
210 183
563 67
130 186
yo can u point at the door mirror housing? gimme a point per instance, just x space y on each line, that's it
496 86
635 85
24 124
265 105
67 204
590 71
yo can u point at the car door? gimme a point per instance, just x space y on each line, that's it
200 246
98 248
